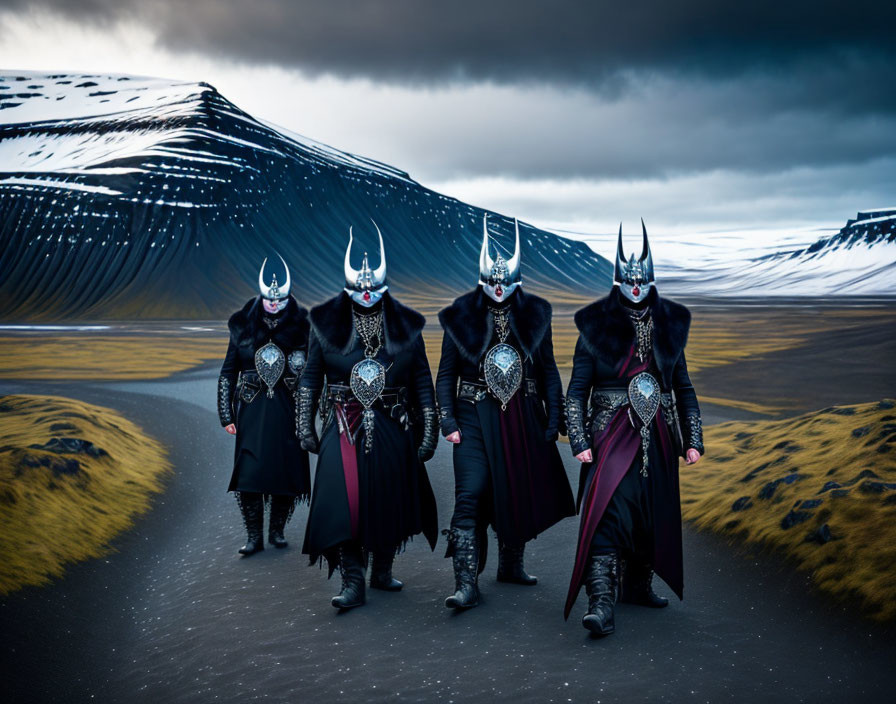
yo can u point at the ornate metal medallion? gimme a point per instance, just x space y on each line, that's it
269 363
503 371
368 379
644 397
296 361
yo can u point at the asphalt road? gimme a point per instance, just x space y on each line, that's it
175 615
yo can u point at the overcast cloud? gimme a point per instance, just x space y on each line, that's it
708 111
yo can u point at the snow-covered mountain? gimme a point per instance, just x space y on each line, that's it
129 197
857 260
860 259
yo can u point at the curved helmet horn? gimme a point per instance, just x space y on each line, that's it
485 261
620 258
646 256
379 274
351 274
275 290
513 264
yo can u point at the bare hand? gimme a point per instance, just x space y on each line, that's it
585 456
454 437
692 456
230 429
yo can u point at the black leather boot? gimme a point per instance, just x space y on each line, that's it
252 508
601 585
352 567
510 567
637 585
381 574
466 569
281 511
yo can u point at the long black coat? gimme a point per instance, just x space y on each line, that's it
395 498
603 356
529 485
267 457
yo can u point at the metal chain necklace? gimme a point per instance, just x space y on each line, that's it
368 377
370 330
502 322
643 323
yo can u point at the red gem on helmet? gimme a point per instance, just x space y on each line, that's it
366 296
499 291
636 291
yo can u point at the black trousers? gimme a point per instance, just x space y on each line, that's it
472 476
627 523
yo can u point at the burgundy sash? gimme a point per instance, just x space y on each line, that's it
615 448
348 417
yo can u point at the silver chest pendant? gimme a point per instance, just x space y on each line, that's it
367 381
644 397
503 371
269 363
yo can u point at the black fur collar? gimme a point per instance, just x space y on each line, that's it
608 334
471 328
332 323
290 334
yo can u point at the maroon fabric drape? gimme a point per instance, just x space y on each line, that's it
348 415
527 466
615 449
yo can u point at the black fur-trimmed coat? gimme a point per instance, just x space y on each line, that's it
606 336
469 333
394 494
267 456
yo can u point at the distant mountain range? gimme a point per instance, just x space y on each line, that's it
124 197
860 259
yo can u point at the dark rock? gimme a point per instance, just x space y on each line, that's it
60 467
31 461
886 405
752 474
59 427
890 500
838 411
871 487
839 493
811 503
861 432
793 518
768 490
828 486
71 445
821 535
742 503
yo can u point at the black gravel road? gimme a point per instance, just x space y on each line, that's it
175 615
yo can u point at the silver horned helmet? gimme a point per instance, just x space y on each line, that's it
275 292
499 277
634 276
366 286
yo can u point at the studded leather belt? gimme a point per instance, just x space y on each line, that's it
477 390
390 397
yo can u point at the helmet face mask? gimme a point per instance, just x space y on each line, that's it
365 286
499 278
274 295
634 276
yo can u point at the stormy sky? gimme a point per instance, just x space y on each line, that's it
699 115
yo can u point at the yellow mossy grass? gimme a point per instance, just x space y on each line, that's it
61 508
844 458
105 356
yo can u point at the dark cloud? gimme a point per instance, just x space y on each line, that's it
510 40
